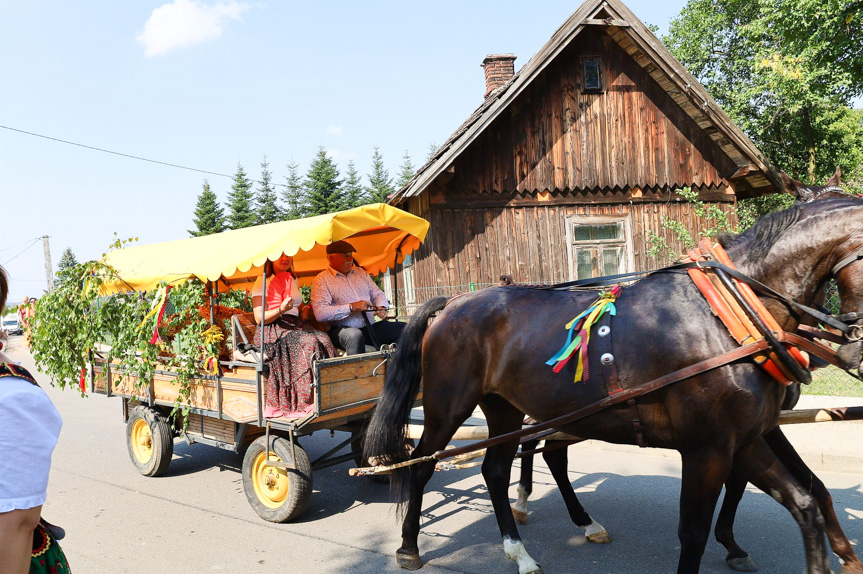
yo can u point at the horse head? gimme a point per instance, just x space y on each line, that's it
807 194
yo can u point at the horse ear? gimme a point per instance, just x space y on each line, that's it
796 188
834 180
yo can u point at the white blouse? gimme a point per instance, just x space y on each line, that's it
29 428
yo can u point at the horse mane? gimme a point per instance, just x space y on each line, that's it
759 238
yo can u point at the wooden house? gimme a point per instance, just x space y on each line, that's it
568 165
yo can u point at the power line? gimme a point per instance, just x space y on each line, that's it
14 246
35 241
130 156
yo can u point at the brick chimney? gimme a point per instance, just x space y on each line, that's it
499 69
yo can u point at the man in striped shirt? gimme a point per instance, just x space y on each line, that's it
342 293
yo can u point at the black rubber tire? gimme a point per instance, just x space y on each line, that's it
150 459
277 494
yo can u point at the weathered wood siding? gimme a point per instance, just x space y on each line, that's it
477 245
554 136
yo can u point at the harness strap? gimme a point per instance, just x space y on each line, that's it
854 256
536 432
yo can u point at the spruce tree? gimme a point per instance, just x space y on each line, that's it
67 261
406 171
266 201
240 201
354 194
380 182
432 151
209 217
323 186
293 195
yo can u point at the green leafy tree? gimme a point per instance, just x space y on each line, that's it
354 192
293 195
209 217
266 200
323 186
240 201
785 71
380 182
406 171
665 248
67 262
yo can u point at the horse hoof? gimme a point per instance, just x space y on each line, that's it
520 517
742 564
409 560
599 537
537 571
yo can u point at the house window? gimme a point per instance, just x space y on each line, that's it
592 75
598 247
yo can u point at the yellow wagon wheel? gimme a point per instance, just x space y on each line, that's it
276 493
150 440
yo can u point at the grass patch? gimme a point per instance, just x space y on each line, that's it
835 382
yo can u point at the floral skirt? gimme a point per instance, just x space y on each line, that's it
290 346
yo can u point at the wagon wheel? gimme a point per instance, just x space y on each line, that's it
149 440
277 494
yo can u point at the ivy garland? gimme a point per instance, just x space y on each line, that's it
74 320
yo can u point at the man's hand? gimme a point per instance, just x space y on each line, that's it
360 305
381 313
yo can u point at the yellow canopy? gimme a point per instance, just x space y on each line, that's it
236 258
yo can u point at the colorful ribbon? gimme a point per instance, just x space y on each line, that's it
580 326
159 304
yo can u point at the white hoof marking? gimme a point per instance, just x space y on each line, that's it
515 551
596 533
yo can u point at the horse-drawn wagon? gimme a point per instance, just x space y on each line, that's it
225 405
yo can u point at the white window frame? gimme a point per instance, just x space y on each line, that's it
572 220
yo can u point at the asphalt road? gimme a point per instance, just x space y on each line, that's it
196 519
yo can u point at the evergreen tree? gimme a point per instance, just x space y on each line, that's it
323 186
354 194
67 261
293 196
380 182
209 217
406 171
266 201
240 201
432 150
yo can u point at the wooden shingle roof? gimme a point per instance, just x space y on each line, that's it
649 53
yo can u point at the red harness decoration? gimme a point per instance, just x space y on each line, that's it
732 315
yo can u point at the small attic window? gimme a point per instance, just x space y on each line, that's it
592 74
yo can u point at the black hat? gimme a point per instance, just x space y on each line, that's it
340 247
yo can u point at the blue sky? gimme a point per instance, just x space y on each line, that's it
209 84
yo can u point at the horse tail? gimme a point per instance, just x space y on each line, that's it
386 438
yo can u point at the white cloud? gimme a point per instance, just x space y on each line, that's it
334 130
184 23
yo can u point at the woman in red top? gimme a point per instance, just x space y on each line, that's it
290 344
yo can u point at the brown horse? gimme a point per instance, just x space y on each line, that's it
735 485
489 348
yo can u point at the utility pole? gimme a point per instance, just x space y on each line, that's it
49 271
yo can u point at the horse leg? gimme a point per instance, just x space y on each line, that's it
838 541
502 418
762 467
703 475
557 461
737 558
441 422
525 483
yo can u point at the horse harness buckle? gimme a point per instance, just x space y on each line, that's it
610 376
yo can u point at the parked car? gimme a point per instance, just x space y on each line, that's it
12 325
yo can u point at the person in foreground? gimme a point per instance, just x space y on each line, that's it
29 427
289 343
341 294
